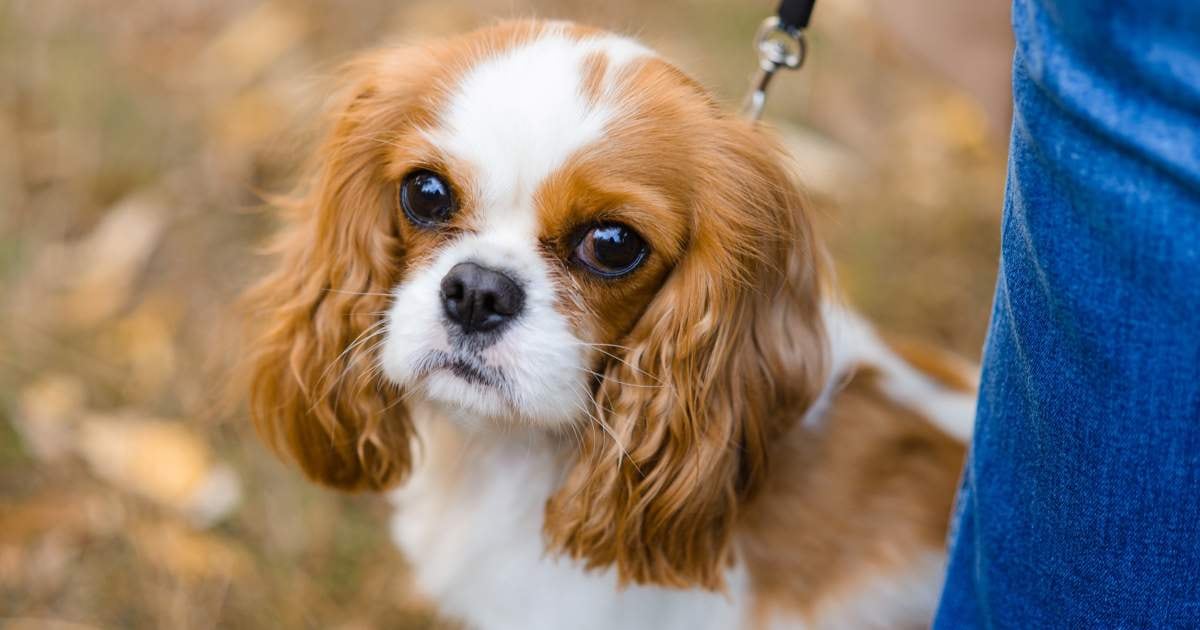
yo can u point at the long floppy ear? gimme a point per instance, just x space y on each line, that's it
317 319
726 358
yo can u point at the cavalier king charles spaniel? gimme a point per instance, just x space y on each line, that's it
573 314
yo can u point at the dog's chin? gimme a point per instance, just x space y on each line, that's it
475 396
467 401
490 388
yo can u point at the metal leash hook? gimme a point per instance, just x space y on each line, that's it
779 44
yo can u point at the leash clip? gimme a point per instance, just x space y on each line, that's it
778 46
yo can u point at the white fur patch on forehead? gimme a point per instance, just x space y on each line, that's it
517 116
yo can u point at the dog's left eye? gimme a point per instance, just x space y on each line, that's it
426 198
611 250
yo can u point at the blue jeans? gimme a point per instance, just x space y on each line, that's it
1080 502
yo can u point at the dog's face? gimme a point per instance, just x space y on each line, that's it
538 226
545 225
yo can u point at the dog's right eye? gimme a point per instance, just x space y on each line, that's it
610 250
426 198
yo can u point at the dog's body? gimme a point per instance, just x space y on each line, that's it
849 536
606 373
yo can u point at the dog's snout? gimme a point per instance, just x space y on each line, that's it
479 299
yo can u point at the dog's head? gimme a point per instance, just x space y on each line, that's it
548 226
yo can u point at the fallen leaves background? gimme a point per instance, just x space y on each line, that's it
138 141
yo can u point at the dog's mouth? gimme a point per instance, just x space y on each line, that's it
465 383
466 367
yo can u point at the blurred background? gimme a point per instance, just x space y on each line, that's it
137 140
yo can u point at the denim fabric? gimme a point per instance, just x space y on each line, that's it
1080 502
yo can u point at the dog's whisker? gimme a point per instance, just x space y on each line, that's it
367 293
618 381
630 366
611 434
369 330
326 387
592 344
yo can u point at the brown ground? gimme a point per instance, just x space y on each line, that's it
135 139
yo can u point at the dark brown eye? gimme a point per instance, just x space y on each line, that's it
611 250
426 198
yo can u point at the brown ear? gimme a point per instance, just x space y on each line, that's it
317 319
727 356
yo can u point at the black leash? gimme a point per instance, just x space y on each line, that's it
780 44
794 14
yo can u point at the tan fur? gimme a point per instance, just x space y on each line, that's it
947 369
595 66
315 392
723 360
717 347
865 495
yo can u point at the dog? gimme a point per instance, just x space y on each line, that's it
573 316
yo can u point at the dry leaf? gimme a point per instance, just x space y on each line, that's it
161 460
101 270
47 413
31 519
144 340
253 42
43 623
189 554
964 122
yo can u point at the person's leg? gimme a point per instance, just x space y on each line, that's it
1080 503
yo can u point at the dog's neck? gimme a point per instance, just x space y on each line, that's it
470 522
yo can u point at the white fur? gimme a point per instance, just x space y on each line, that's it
517 117
470 518
853 342
901 599
540 358
470 521
513 119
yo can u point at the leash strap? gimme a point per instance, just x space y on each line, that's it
794 14
780 43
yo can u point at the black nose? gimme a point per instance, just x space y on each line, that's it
479 299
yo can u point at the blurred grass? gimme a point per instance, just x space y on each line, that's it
135 136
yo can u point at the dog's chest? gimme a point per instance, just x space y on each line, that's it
469 520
